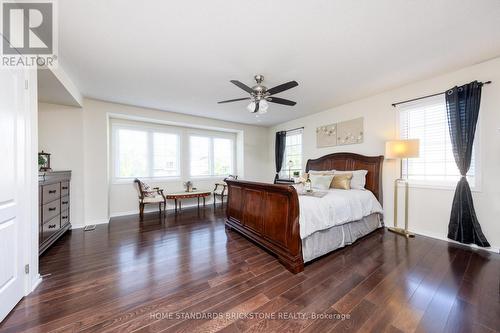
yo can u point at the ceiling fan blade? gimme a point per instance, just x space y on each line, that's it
234 100
282 87
281 101
242 86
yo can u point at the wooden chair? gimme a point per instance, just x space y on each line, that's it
220 190
149 195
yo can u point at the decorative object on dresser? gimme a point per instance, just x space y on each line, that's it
220 190
148 195
54 206
44 161
401 149
268 214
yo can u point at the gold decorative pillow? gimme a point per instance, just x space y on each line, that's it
342 182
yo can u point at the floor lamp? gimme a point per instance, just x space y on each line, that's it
401 149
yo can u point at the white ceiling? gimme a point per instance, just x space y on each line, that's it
180 55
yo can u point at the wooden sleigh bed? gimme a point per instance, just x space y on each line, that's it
268 214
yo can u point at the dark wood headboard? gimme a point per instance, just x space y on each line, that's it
351 161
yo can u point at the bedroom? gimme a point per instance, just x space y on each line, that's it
246 267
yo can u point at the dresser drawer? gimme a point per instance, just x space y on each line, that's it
51 210
50 227
64 188
64 218
64 203
51 192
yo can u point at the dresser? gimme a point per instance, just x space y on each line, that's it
54 207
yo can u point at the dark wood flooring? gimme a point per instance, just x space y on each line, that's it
156 275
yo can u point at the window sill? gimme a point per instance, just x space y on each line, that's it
126 181
440 187
208 177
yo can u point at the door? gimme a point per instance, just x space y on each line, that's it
13 187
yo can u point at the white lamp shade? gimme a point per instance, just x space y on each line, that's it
263 106
396 149
251 106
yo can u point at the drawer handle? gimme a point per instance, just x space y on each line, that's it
64 217
52 192
52 226
64 202
64 187
52 209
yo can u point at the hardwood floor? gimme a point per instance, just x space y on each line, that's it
151 276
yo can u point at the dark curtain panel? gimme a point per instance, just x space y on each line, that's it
279 151
462 104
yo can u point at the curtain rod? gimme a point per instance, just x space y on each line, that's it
294 129
418 98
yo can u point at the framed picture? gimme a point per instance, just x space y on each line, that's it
326 136
44 161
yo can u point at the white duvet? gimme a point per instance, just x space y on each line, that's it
335 208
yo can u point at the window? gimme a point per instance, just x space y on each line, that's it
211 156
427 120
132 153
223 156
145 153
165 155
156 151
292 160
200 156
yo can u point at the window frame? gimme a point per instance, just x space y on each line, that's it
149 130
211 158
447 185
284 167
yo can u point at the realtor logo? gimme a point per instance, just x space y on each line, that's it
29 33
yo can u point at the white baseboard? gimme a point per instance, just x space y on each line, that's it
131 212
99 221
152 210
473 246
38 280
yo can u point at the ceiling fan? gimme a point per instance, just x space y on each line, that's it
260 95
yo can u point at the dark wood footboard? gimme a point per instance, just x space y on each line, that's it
268 215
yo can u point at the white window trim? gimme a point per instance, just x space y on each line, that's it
284 165
150 132
450 186
184 164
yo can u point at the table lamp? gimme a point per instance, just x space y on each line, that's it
401 149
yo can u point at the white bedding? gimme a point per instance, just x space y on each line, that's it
335 208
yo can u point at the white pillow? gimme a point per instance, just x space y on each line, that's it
321 182
358 180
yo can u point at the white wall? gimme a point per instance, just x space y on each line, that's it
429 208
78 140
60 132
123 193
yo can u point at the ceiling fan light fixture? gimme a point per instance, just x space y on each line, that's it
263 106
251 106
260 95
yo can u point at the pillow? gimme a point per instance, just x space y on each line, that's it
146 189
342 182
321 182
358 180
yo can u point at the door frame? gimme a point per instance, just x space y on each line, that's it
31 224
